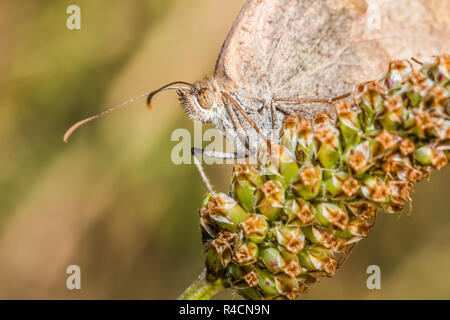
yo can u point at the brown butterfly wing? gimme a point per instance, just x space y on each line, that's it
305 48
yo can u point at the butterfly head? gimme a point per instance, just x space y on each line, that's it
200 101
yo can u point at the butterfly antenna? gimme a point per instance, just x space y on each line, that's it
149 96
73 128
416 61
168 86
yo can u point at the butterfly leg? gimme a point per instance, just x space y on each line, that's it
226 96
329 101
213 154
417 61
311 100
218 154
272 115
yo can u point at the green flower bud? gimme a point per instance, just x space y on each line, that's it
385 142
358 158
206 199
208 228
290 237
298 212
424 155
357 227
349 123
270 199
235 272
246 253
245 181
328 156
329 214
245 192
371 101
272 259
351 134
289 133
328 136
419 123
306 212
439 159
364 209
269 167
305 140
414 97
292 266
213 262
222 245
255 228
251 278
375 189
399 73
306 280
439 69
350 187
393 116
281 166
308 182
287 286
334 182
290 210
441 129
317 258
267 282
224 211
287 162
317 235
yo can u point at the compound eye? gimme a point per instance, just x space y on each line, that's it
205 98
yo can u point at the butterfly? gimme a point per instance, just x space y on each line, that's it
284 57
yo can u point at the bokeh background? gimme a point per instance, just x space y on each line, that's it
111 201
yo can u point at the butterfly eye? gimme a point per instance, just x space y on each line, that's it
205 98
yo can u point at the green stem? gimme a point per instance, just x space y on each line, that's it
202 288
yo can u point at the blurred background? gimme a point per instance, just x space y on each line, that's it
111 201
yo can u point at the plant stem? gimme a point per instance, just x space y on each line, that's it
202 288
